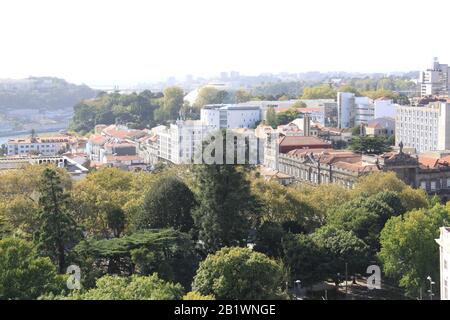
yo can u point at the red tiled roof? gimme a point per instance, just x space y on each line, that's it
97 139
116 132
429 161
290 141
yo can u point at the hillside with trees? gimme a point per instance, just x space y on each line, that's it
43 93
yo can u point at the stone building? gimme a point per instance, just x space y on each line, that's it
318 166
430 171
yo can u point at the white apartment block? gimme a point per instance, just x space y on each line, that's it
180 142
230 116
425 128
48 146
384 108
353 111
444 263
435 81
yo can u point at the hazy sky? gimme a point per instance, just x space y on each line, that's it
114 41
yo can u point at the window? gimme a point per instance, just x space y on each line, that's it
433 185
423 185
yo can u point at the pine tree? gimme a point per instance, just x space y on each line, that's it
224 206
57 231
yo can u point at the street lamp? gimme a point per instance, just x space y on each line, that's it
431 287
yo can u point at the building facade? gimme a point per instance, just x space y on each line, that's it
318 166
75 169
321 166
353 111
425 128
180 142
230 116
435 81
384 108
364 111
47 146
380 127
345 106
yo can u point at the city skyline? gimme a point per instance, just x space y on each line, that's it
110 42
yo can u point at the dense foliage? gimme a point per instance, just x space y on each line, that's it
183 232
239 273
134 110
23 273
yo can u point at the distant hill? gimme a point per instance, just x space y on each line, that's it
45 93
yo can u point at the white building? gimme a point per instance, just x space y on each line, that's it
425 128
363 110
179 142
47 146
353 111
325 110
384 108
230 116
435 81
76 170
444 250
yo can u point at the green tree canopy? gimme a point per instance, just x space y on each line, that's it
304 258
172 102
409 252
130 288
23 273
341 247
319 92
239 273
58 232
210 95
168 252
224 206
167 205
366 216
287 116
135 110
242 96
271 117
370 145
349 88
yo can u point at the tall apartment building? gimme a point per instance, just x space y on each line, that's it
353 111
230 116
435 81
425 128
179 142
